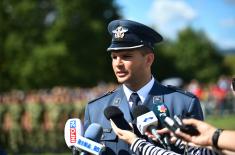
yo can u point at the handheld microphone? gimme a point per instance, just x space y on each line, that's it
147 121
94 133
117 116
73 128
162 112
73 132
177 124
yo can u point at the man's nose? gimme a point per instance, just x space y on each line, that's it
119 61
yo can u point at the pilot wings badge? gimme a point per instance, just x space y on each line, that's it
119 32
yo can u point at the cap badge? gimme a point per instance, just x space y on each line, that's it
119 32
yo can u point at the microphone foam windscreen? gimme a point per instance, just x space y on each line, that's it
140 110
94 132
112 112
117 116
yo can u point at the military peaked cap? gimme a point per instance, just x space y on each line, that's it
128 34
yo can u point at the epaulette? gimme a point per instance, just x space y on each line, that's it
105 94
181 90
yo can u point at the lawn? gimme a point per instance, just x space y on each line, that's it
225 122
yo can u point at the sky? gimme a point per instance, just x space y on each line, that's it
215 17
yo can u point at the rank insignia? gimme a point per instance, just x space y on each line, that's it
116 102
157 99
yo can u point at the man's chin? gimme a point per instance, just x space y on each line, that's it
121 80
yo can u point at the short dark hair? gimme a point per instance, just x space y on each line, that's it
146 50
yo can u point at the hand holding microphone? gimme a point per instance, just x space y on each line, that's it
205 132
177 124
148 122
119 125
125 135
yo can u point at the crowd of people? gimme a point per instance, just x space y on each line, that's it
216 98
56 95
42 108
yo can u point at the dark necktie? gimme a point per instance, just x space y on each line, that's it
135 99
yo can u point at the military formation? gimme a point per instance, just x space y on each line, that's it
35 127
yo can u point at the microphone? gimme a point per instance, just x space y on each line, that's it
162 112
117 116
73 132
73 128
177 124
94 133
147 121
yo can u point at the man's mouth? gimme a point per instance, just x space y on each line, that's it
121 73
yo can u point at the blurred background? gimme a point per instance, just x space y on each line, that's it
53 60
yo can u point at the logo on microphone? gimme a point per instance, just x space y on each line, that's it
73 131
162 108
148 118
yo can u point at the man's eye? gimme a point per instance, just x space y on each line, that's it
113 57
127 56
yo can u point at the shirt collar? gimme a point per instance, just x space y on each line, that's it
143 92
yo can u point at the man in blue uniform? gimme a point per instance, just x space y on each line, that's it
132 53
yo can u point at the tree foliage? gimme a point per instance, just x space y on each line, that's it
193 56
46 43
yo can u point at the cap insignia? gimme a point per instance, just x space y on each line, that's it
119 32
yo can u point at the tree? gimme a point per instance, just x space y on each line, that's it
195 56
46 43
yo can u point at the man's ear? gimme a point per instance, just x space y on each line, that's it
150 58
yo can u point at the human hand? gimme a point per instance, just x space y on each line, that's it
161 133
204 138
125 135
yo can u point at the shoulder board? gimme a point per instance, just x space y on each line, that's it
105 94
181 90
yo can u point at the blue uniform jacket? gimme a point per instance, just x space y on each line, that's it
177 101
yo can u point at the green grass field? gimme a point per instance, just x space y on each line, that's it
225 122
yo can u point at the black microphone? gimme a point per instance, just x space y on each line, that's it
117 116
161 111
189 129
163 114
